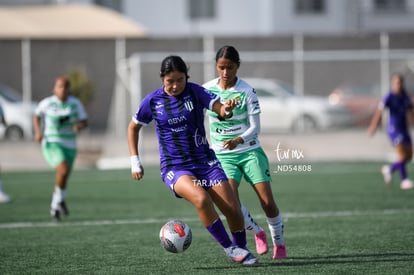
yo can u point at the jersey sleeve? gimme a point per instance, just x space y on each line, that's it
144 113
384 102
82 115
205 97
253 105
41 106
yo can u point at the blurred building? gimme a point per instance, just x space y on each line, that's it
253 17
316 46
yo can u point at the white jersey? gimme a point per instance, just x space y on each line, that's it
59 119
247 105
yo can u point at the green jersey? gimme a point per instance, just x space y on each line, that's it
59 119
247 105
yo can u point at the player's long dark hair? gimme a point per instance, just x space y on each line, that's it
228 52
173 63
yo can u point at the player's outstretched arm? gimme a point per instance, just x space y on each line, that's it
224 110
375 121
37 128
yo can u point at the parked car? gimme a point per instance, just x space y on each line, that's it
283 110
18 115
360 100
2 125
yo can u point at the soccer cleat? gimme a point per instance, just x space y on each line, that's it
236 254
250 260
4 198
261 243
279 252
386 173
407 184
55 214
63 207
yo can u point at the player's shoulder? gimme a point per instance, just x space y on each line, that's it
195 86
388 96
154 94
244 86
199 91
211 83
73 99
47 100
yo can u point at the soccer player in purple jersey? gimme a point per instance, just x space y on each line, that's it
189 168
399 105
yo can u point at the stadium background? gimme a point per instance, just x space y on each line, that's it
339 218
123 68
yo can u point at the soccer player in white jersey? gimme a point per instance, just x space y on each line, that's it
235 141
63 117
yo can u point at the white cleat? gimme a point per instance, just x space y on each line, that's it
236 254
386 172
4 198
407 184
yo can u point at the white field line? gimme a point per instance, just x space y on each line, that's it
286 216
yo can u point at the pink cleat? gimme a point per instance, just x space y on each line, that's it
279 252
386 173
407 184
261 243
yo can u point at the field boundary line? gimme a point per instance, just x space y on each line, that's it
288 215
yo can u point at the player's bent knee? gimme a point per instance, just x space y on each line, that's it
201 201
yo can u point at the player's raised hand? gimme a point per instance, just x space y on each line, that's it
230 104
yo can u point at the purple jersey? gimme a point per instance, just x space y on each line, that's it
179 124
398 106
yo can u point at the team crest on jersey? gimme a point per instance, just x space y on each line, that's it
189 105
238 101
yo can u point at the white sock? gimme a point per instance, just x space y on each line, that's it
249 223
58 196
276 229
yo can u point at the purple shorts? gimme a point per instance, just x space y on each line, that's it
400 138
208 174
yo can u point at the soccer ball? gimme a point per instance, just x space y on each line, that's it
175 236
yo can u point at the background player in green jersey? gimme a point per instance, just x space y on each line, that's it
63 117
235 141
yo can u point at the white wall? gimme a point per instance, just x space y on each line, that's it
256 17
168 18
243 17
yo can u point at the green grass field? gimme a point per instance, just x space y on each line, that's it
339 219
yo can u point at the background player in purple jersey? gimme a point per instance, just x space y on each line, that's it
399 105
188 166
